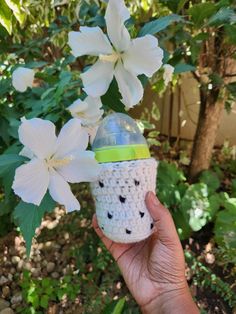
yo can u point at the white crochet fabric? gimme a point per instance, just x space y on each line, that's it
120 199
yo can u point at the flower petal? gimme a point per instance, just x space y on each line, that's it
31 181
88 111
39 136
83 168
116 15
129 85
92 131
61 192
22 78
143 56
97 78
26 152
168 73
89 41
71 138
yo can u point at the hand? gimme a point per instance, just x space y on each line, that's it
154 269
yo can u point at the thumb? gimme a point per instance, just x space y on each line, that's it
163 221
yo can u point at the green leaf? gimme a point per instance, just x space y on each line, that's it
9 178
181 4
112 98
4 208
184 67
29 217
44 301
119 307
160 24
195 206
5 16
169 174
200 12
153 142
231 33
225 225
182 225
170 184
4 86
232 88
35 64
155 113
8 160
211 179
215 201
4 131
153 134
224 15
15 6
234 187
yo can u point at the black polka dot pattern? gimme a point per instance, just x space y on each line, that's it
141 214
109 215
101 184
119 196
122 199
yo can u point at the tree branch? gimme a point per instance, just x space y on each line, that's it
230 75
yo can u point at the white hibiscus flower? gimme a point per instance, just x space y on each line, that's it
22 78
54 161
121 57
168 73
88 111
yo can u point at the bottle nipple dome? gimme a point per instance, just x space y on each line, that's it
119 139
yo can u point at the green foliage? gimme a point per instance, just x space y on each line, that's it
211 180
160 24
225 226
192 206
201 12
29 217
8 160
195 206
224 15
232 88
5 16
7 8
170 184
37 293
204 277
115 307
183 67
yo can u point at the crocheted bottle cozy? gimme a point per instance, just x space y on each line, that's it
120 199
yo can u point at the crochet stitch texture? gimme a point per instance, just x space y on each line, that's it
120 199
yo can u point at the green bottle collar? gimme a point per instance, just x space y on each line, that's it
121 153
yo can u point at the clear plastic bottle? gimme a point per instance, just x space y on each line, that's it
118 139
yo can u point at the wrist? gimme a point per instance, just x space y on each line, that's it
176 301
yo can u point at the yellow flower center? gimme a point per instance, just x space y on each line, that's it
81 115
56 163
114 57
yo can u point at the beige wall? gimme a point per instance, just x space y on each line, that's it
185 112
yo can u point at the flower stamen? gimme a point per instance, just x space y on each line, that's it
56 163
114 57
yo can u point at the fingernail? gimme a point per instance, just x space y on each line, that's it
153 199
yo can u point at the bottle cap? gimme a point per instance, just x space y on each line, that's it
119 139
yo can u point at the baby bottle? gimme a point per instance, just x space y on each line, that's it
127 174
